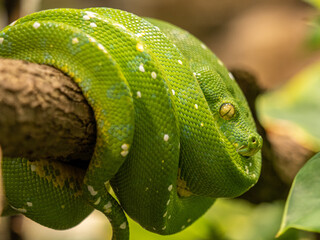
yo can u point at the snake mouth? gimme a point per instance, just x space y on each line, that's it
252 146
246 152
248 160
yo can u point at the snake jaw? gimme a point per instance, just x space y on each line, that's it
253 145
245 151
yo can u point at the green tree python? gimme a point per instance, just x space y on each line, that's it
174 131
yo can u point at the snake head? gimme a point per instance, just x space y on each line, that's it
230 163
236 124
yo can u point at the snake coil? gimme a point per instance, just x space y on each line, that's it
174 130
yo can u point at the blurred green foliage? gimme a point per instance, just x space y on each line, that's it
313 41
315 3
233 219
295 108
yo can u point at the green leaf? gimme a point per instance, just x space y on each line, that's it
313 37
315 3
295 108
231 219
302 209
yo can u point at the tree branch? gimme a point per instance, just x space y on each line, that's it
43 114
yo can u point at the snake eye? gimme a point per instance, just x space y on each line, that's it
227 111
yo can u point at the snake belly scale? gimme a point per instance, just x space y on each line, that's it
174 131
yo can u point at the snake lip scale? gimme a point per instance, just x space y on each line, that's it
174 131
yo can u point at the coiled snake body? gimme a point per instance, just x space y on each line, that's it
174 131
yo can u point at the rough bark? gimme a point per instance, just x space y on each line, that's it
43 114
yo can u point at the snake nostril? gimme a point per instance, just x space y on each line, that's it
253 140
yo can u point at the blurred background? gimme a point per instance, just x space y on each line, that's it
268 38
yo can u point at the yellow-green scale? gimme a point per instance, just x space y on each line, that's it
41 184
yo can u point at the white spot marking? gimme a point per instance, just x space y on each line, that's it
196 106
124 153
101 47
169 217
201 124
166 137
220 63
107 207
92 191
123 225
36 25
203 46
180 62
168 202
33 168
86 17
254 175
165 214
141 68
140 47
189 220
75 40
13 23
138 94
91 39
164 228
247 169
173 92
154 228
91 14
125 146
183 226
170 188
1 40
93 25
146 189
153 75
120 25
98 201
231 76
22 210
29 204
141 34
